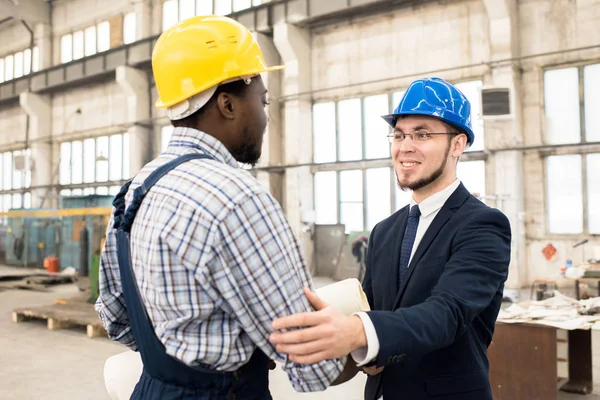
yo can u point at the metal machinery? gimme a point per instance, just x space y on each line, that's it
74 233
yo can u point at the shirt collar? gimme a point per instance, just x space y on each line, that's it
183 138
435 201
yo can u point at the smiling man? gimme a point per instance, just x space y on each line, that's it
435 270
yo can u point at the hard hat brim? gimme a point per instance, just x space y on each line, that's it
159 103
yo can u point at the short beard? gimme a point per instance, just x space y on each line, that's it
420 184
247 152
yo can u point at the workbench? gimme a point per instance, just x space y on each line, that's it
525 361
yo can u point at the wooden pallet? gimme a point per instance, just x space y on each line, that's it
64 314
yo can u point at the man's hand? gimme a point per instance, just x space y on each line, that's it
372 370
326 333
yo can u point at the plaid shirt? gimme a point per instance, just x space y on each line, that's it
216 262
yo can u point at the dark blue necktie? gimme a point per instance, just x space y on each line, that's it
409 239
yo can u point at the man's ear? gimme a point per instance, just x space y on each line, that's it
459 145
225 104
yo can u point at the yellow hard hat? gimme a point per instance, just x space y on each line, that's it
201 52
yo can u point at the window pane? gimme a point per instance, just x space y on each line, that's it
90 41
591 84
89 191
35 59
403 198
65 163
256 2
102 159
378 195
17 174
27 200
103 190
17 200
350 130
472 175
66 48
561 97
126 156
78 45
165 136
9 65
1 70
186 9
593 188
169 14
103 36
351 200
564 194
76 162
129 28
65 192
324 132
115 157
18 64
7 175
239 5
396 97
28 168
472 90
114 190
7 202
326 197
377 145
77 192
89 160
204 7
27 62
222 7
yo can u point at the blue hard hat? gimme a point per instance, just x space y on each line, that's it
436 98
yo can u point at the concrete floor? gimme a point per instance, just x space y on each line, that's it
66 365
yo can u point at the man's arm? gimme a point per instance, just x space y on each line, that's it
111 304
260 273
470 279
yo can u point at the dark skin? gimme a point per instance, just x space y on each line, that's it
236 118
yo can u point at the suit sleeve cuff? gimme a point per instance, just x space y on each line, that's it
367 354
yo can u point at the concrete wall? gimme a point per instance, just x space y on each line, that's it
12 127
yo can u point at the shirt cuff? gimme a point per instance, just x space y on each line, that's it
367 354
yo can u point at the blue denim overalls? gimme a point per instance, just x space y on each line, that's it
164 377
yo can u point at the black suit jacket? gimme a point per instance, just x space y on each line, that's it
434 330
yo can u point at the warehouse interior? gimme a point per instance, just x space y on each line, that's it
77 120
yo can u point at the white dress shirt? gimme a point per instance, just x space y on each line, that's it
429 209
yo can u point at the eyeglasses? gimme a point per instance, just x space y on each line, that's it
417 136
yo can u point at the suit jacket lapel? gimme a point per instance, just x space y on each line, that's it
454 202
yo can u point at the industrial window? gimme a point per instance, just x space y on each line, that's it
378 195
85 42
223 7
177 10
573 194
324 132
165 136
351 200
472 175
566 90
15 179
129 28
19 67
9 67
21 63
92 160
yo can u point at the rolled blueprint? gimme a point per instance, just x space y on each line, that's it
345 296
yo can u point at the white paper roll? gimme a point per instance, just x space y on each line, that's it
345 296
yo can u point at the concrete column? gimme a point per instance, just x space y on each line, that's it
143 19
43 40
272 144
293 44
38 108
503 132
136 87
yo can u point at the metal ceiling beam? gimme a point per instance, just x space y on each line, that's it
31 11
